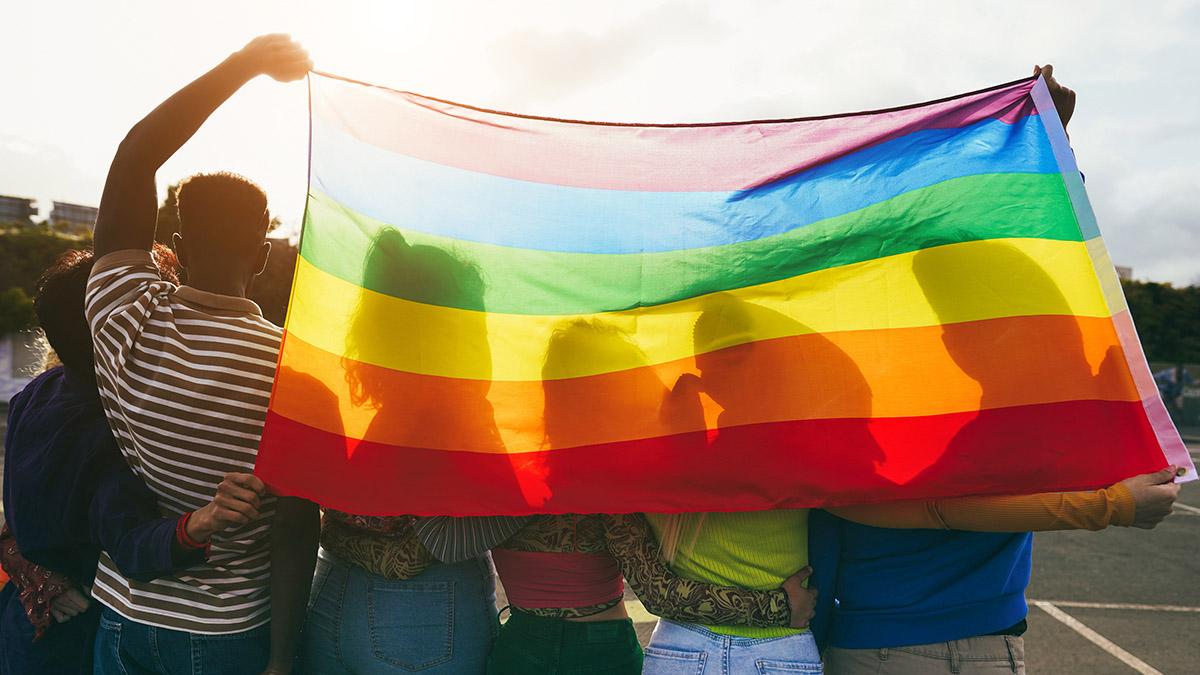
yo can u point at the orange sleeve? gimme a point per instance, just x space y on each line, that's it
1022 513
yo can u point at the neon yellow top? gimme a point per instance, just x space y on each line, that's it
755 550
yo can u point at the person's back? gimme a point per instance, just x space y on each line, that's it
69 494
185 376
563 576
55 439
753 550
897 587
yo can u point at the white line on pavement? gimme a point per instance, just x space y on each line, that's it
1097 639
1185 510
1119 605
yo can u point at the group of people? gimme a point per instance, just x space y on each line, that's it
139 540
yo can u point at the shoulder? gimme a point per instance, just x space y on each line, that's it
121 282
40 389
130 257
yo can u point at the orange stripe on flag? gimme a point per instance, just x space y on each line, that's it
852 374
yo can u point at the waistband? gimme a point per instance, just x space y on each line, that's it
550 628
400 556
703 633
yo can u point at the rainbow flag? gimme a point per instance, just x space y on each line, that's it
504 314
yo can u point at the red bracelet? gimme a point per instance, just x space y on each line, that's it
181 534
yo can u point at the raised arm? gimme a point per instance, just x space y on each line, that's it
632 543
129 207
1142 501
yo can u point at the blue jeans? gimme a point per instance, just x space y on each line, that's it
442 621
65 648
126 647
686 649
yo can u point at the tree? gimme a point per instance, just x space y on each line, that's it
273 288
25 253
16 311
1168 320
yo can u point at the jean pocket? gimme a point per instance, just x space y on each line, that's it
766 667
659 661
107 651
410 624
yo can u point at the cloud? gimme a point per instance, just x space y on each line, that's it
1133 64
541 65
45 172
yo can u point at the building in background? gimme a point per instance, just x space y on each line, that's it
1125 273
17 210
73 217
21 357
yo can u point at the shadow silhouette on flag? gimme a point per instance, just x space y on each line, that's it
444 420
784 402
580 410
1036 410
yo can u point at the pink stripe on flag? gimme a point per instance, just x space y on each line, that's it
661 158
1172 444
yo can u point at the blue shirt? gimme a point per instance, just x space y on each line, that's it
891 588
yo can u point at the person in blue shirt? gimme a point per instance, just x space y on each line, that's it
941 599
68 494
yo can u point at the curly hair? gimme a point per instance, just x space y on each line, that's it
227 211
59 302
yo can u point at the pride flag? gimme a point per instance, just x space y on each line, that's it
503 314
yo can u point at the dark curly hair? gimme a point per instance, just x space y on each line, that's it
59 300
225 211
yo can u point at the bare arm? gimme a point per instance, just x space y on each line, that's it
294 538
128 207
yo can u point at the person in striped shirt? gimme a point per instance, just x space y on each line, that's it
68 494
184 374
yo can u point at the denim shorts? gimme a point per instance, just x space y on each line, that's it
441 621
686 649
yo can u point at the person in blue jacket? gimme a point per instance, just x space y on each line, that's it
68 494
899 601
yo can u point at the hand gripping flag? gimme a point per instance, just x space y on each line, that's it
503 314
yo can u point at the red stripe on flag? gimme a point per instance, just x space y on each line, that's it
1050 447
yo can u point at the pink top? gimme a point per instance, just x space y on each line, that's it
547 580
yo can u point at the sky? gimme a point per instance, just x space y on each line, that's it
75 76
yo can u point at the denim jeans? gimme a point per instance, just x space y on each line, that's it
64 649
442 621
126 647
686 649
537 644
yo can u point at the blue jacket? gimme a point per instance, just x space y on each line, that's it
891 588
68 494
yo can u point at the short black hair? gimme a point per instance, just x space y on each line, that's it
58 303
226 211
